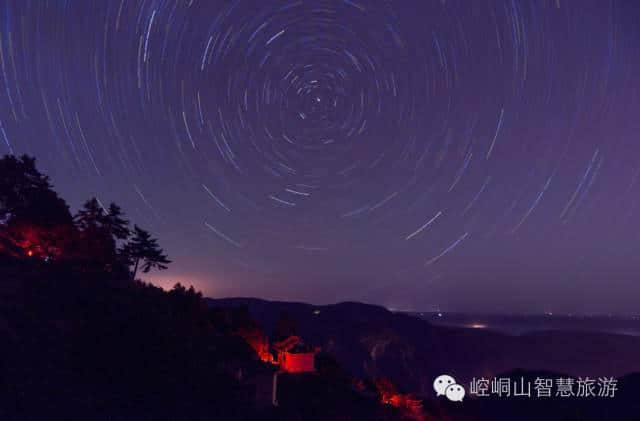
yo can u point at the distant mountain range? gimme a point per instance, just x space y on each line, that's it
372 342
75 346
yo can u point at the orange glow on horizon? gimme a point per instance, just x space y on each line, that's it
167 282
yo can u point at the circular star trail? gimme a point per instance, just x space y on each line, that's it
415 154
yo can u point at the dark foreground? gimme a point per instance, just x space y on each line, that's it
82 347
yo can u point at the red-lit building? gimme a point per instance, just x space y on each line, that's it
297 362
294 356
291 354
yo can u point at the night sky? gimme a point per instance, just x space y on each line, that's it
419 154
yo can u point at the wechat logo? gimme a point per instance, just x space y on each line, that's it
446 385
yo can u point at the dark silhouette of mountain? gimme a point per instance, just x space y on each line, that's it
78 348
75 347
80 338
372 342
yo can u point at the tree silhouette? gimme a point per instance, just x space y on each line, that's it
143 252
116 224
34 220
101 229
91 217
99 245
36 223
26 194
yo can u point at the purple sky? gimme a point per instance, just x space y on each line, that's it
454 155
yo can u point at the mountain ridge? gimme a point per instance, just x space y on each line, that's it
371 341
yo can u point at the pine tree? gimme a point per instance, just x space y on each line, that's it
116 224
91 217
98 240
143 252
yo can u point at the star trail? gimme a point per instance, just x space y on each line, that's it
415 154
